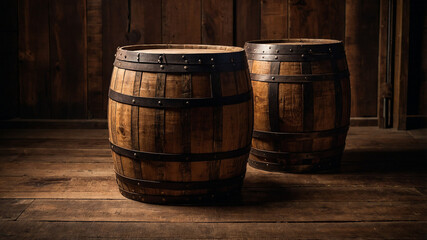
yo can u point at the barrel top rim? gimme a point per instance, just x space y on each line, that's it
216 49
295 42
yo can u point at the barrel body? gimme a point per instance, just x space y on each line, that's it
301 104
180 122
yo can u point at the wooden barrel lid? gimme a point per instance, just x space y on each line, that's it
180 58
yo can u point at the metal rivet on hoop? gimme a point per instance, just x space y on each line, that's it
276 57
162 67
185 67
159 102
272 78
133 100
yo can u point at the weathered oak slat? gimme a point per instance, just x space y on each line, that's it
361 43
173 29
68 59
34 78
217 22
139 230
11 209
125 210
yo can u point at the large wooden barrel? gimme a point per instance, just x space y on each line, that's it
301 104
180 121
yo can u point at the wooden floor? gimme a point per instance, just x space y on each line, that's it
60 184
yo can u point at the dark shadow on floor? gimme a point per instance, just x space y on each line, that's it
384 162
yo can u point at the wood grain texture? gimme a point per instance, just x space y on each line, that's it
384 88
34 77
182 26
327 19
300 108
145 22
217 22
401 65
274 19
362 50
247 21
114 27
386 230
178 130
95 93
59 188
68 58
109 24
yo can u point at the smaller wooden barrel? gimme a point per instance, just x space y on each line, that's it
180 120
301 104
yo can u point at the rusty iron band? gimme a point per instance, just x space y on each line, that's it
295 58
214 184
277 136
179 68
270 155
185 157
178 102
271 47
275 78
185 199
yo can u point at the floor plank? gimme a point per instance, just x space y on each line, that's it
143 230
125 210
11 209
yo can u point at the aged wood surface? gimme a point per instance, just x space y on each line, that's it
68 59
66 83
33 53
52 182
361 44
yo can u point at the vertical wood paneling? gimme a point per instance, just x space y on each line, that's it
181 21
316 19
384 89
401 65
145 21
114 29
217 22
96 95
9 92
34 59
68 69
56 82
247 15
274 19
361 43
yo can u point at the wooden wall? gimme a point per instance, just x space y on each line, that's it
66 48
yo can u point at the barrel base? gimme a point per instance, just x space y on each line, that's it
202 199
330 164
